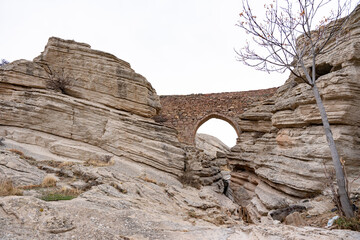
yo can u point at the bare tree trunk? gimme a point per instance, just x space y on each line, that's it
340 177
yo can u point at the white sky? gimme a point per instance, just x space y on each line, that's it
180 46
220 129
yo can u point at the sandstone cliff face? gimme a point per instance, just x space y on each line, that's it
94 131
101 109
282 148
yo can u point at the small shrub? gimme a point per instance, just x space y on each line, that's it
7 188
59 82
66 164
70 191
49 181
61 194
348 223
56 197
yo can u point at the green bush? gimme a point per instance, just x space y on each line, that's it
60 194
348 223
57 197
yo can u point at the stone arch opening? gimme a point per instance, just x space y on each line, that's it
228 120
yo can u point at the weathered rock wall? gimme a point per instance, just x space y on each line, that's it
104 110
94 75
282 149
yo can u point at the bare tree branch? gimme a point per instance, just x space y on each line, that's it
286 38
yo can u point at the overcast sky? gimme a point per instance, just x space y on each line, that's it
180 46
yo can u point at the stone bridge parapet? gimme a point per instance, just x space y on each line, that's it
186 113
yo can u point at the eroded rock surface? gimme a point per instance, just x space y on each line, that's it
120 205
280 155
16 169
103 110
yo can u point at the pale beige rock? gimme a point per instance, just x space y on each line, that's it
103 112
14 168
100 77
271 198
123 203
282 142
115 132
104 213
295 219
95 76
259 206
210 144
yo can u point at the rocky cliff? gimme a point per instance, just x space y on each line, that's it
79 146
76 122
282 150
79 103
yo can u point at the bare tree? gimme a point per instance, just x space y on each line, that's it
288 39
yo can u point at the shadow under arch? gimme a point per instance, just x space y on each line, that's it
231 121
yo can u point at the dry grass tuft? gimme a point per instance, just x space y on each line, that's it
225 168
99 162
118 187
146 179
161 184
49 181
70 191
66 164
18 152
7 188
22 155
28 187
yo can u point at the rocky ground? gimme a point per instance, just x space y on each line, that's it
113 202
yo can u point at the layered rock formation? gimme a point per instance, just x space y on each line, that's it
282 150
98 108
85 117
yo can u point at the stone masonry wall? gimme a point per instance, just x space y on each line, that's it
187 113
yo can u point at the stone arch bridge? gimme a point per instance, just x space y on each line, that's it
186 113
